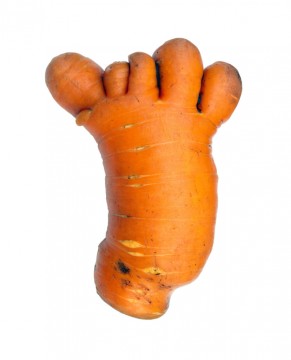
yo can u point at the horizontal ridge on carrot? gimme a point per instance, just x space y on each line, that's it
153 119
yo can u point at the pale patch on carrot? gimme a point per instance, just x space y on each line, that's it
131 244
133 253
154 271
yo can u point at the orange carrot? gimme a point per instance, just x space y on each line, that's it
153 119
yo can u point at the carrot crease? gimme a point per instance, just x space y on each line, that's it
153 119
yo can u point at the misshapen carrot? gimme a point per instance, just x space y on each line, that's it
153 119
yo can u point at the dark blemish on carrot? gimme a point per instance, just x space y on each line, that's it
199 102
238 75
158 74
122 267
164 286
126 282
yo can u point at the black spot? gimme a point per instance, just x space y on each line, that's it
238 75
199 102
125 282
122 267
158 74
164 286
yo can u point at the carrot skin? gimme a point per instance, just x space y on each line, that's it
74 82
220 92
161 194
153 119
115 79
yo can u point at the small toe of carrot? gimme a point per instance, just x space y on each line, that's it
116 79
220 91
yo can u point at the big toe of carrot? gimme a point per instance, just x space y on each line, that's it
74 81
181 70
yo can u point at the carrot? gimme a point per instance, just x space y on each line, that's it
153 119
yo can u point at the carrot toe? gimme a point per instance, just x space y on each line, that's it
116 79
181 70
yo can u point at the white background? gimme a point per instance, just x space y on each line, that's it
52 203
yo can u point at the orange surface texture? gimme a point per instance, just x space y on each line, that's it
153 118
